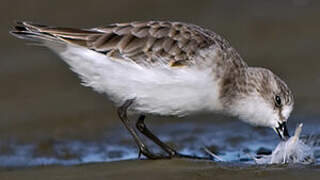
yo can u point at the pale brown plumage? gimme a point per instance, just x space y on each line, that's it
150 42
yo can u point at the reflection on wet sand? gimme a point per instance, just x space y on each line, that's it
228 145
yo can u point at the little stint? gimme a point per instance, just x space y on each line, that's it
167 68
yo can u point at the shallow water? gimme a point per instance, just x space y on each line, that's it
232 142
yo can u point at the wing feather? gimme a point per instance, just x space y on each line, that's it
153 41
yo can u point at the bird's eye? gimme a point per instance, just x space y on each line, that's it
277 101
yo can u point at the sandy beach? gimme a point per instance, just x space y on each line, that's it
163 169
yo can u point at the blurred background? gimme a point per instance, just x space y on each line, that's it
40 98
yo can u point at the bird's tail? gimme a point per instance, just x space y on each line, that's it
43 33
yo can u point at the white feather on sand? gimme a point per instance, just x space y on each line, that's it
293 150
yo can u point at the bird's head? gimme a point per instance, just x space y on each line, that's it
261 98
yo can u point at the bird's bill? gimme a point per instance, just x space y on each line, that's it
282 131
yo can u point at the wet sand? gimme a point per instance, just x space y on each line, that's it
163 169
41 100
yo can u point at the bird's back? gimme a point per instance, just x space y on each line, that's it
169 68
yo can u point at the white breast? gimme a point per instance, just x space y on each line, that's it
158 90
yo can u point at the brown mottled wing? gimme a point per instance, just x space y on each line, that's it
151 42
171 43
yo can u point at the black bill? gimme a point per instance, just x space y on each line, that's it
282 131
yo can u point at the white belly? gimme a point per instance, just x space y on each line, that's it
157 90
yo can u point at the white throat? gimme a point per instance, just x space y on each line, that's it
255 111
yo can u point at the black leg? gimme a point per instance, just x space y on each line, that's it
122 112
144 130
172 152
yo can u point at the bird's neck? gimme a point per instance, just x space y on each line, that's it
235 84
